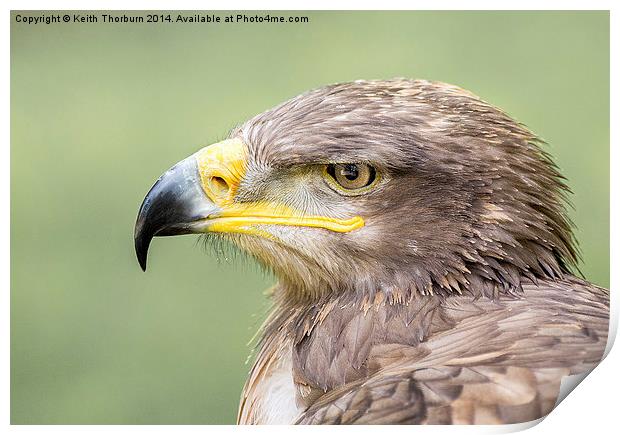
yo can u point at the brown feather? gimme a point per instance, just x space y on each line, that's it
455 303
460 360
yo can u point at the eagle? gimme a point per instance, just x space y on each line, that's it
426 267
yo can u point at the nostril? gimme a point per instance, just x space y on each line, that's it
219 186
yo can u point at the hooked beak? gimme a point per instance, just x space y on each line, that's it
188 194
173 206
197 195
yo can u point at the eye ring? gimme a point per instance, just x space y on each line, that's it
351 178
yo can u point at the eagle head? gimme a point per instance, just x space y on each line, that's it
400 186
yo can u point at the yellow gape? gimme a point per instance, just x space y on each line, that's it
222 167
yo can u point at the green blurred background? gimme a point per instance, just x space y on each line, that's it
99 111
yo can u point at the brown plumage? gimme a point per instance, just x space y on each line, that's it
432 359
454 303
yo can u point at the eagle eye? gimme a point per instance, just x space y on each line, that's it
350 178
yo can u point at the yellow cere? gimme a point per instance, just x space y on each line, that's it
222 166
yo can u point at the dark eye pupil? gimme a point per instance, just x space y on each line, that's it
350 172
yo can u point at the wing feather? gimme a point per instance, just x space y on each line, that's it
501 362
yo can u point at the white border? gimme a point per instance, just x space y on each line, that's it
591 407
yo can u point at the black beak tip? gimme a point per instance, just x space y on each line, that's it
142 242
142 261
